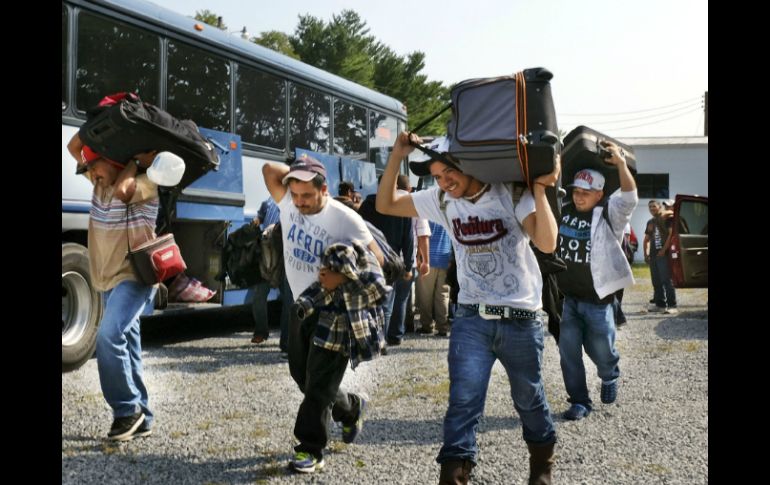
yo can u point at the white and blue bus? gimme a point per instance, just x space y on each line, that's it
261 105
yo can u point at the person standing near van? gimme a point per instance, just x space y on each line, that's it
311 221
500 293
124 208
589 243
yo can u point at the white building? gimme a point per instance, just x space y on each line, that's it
667 166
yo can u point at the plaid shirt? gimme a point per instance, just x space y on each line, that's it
350 317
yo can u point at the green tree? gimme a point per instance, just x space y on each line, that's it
277 41
208 17
343 46
401 78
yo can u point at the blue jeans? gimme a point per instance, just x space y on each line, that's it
395 326
665 295
286 302
592 326
474 345
119 348
259 294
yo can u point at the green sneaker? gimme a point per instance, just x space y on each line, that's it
305 462
349 433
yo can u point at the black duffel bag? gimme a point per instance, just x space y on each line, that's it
124 125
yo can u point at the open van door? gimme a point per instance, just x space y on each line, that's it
689 255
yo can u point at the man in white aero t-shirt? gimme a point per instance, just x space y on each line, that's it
311 220
500 293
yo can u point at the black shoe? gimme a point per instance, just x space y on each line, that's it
442 334
123 428
144 429
425 330
393 342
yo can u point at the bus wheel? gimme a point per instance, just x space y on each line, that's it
81 308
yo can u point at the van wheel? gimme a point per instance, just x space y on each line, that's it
81 308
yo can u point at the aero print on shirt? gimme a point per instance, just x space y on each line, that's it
306 243
575 237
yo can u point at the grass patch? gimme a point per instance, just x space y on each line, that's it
337 446
204 425
656 468
359 464
641 271
686 346
235 415
178 434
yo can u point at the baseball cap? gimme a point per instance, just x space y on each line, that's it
588 179
304 169
88 155
421 166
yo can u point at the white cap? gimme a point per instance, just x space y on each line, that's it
166 169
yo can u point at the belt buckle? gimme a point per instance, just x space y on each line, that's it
483 313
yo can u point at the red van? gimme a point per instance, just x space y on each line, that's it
689 255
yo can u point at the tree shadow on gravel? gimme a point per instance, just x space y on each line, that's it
124 463
684 326
422 432
212 359
195 325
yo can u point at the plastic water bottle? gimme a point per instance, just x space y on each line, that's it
166 169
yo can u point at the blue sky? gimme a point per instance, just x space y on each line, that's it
627 68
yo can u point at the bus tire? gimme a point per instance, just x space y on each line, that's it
81 309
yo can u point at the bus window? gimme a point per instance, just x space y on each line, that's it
63 57
309 119
114 57
349 130
260 108
198 87
382 136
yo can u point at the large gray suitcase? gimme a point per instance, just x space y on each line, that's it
503 129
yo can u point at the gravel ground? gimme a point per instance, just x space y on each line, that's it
225 412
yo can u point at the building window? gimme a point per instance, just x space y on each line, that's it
198 87
349 130
310 119
113 57
652 185
260 113
383 130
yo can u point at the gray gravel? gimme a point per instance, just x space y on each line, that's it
225 412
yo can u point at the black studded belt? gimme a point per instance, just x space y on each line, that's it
494 311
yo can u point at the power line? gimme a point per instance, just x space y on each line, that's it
699 98
637 118
655 122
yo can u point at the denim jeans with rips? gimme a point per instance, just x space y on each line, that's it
119 348
474 345
589 325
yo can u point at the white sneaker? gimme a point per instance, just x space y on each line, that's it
653 308
671 311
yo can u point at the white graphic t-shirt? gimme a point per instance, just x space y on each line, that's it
495 264
305 237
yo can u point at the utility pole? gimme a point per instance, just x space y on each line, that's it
706 114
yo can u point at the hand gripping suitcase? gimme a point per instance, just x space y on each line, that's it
582 149
503 129
119 130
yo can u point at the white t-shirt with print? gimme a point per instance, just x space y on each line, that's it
305 237
495 264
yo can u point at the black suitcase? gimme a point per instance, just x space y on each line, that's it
131 126
495 120
582 149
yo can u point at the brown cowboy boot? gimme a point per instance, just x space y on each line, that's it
540 463
456 472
